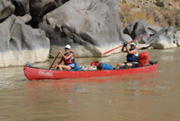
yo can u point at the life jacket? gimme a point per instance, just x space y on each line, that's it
95 63
70 60
143 59
101 66
132 57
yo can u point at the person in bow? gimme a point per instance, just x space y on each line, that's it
132 56
68 58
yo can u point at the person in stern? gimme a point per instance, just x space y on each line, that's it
132 56
68 58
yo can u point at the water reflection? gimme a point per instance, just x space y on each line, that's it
90 97
141 82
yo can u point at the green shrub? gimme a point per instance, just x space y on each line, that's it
165 8
160 3
176 27
124 1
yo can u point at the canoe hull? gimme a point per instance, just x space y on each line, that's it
33 73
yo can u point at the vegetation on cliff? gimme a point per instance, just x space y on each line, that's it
161 13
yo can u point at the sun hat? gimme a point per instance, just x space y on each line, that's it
132 43
67 47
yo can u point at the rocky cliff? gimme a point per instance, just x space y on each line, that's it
33 30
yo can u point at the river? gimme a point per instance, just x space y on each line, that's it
147 97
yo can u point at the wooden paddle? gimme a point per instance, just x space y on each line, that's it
54 61
123 45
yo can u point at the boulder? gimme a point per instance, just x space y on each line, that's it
178 42
164 39
21 7
136 29
38 8
20 43
26 18
158 38
6 9
61 2
177 33
152 30
177 37
90 27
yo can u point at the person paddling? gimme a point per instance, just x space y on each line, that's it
68 58
132 56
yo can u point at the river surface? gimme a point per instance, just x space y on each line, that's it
142 97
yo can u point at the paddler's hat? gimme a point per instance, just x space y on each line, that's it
132 43
67 47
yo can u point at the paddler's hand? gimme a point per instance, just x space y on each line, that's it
55 65
125 44
60 52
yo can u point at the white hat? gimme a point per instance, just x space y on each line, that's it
132 43
68 46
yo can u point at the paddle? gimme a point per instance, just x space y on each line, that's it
54 61
123 45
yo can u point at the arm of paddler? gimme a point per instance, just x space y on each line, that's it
66 58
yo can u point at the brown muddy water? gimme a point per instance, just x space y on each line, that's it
143 97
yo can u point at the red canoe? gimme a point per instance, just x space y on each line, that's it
34 73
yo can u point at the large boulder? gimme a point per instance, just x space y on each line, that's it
22 7
38 8
157 37
177 33
177 37
164 39
61 2
139 27
20 43
152 30
136 29
6 9
90 27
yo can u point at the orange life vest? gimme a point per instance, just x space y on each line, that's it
95 63
70 60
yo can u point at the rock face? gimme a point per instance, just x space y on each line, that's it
6 9
136 29
177 36
22 7
20 43
38 8
139 27
163 39
152 30
61 2
157 37
90 27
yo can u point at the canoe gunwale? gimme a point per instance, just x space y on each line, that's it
36 73
151 63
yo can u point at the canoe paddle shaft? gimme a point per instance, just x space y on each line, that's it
123 45
54 61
